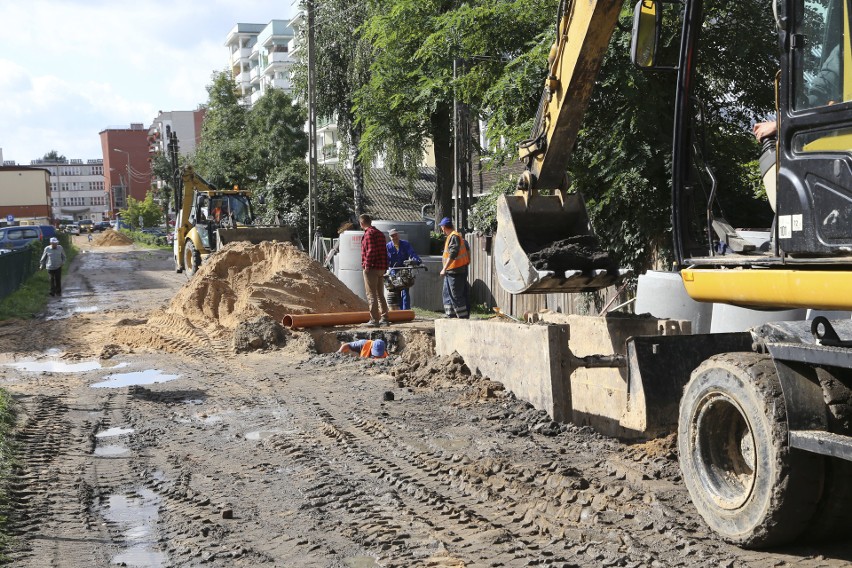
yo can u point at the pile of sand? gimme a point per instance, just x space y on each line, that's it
112 238
244 281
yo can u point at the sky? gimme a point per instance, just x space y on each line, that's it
72 68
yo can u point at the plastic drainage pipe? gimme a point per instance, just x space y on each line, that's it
342 318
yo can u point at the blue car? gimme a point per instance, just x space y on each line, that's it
14 238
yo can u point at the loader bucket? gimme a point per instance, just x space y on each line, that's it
257 235
545 246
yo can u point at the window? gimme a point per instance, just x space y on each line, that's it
819 63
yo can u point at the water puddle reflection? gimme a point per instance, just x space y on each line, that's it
59 366
135 378
261 434
136 514
111 451
117 431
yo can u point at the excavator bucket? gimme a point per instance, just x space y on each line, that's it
545 244
257 235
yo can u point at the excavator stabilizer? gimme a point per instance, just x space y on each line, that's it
545 244
256 235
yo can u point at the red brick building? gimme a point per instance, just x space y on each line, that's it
127 172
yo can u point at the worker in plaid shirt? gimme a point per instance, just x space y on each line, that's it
374 261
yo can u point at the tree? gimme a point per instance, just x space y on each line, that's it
409 97
286 197
222 156
54 156
343 59
148 210
244 147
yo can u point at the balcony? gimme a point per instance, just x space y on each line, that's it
239 54
279 57
243 78
254 74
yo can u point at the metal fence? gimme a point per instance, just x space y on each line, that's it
15 268
486 289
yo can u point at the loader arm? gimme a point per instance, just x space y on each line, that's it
545 243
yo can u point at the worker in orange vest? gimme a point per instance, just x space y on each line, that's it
456 291
366 348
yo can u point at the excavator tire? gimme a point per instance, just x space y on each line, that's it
191 259
746 482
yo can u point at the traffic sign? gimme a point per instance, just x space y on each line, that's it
10 218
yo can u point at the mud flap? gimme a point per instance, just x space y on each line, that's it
529 226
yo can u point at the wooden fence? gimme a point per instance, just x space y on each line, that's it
486 289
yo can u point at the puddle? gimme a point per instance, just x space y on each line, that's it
117 431
261 434
136 515
136 378
360 562
111 451
54 366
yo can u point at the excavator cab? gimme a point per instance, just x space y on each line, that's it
545 243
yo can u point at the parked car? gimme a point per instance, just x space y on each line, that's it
47 231
102 226
14 238
73 229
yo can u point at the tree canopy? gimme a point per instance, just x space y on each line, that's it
147 209
246 147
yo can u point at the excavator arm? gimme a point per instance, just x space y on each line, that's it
545 243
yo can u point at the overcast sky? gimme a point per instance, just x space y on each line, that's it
71 68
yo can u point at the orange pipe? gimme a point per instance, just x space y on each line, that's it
342 318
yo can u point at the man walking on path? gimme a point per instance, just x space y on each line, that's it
374 261
456 258
53 258
399 252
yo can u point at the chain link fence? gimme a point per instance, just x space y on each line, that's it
17 266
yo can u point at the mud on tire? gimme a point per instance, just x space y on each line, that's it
191 259
744 479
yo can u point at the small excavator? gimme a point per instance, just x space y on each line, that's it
209 218
764 418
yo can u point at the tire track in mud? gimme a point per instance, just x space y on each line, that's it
484 510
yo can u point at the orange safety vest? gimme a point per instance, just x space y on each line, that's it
463 258
367 348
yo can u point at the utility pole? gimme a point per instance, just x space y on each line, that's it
456 160
312 125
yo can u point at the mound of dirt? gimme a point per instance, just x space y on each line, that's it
245 281
112 238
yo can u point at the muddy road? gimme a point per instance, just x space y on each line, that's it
187 454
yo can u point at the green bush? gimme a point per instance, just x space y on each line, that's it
146 238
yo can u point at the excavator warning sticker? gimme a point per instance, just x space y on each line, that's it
787 224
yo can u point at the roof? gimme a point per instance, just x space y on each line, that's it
387 196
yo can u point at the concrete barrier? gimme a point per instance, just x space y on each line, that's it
528 360
540 364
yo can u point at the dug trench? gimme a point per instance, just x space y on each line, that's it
148 436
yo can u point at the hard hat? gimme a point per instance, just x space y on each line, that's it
378 348
446 222
54 240
393 232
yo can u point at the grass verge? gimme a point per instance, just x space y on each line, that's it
7 460
30 299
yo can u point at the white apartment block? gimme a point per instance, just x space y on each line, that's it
260 59
77 189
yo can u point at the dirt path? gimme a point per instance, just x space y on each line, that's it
288 458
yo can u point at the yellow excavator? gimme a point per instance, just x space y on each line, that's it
209 218
764 417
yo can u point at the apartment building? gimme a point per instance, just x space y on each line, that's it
185 123
77 189
259 56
